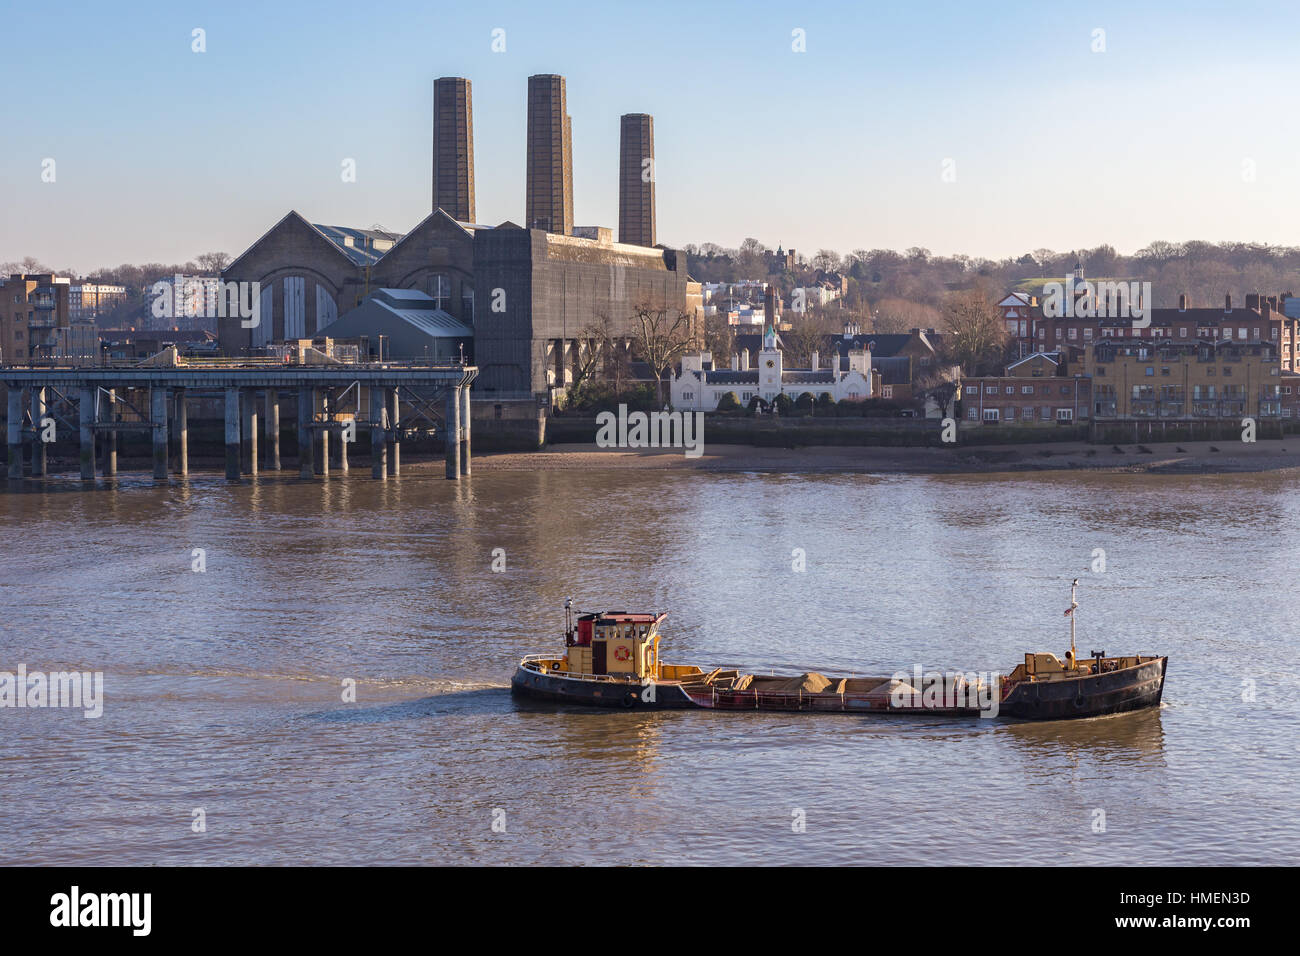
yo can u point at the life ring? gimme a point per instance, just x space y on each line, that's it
622 653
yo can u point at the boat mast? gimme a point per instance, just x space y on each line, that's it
1074 656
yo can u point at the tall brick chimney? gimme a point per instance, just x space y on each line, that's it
1227 302
453 148
1182 302
549 192
636 185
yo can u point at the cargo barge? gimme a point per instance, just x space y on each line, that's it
611 659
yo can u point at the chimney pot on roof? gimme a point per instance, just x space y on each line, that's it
1227 302
1182 302
815 357
1252 300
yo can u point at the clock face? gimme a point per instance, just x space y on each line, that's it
771 363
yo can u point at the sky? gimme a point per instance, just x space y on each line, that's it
989 129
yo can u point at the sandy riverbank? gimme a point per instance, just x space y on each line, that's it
1156 457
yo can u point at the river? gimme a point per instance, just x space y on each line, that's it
225 736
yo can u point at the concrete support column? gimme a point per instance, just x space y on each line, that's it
320 455
38 446
158 399
464 430
182 434
232 434
378 432
273 429
15 426
108 443
305 399
86 424
343 444
394 422
248 431
451 436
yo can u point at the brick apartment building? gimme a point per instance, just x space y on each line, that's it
1034 390
1197 380
33 310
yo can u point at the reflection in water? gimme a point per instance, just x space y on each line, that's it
224 689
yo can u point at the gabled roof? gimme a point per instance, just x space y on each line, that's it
359 245
411 306
1053 357
331 235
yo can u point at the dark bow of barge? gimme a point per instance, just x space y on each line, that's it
611 659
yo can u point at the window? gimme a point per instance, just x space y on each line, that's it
1011 413
972 389
1227 370
1065 414
1074 333
1087 333
746 396
990 414
1182 332
1028 414
990 389
1011 390
887 391
1026 389
1101 370
1241 333
1065 390
1164 370
1058 331
439 290
1227 333
688 395
973 414
1149 370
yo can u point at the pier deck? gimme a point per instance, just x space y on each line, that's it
99 402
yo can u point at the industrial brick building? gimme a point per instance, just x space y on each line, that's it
529 294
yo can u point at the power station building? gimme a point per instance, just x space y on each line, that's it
527 292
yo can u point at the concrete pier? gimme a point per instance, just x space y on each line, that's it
464 431
182 434
343 446
378 433
272 429
304 431
394 422
15 420
38 446
158 397
248 431
113 400
108 443
451 437
232 434
320 454
86 425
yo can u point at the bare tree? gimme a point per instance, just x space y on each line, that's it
942 386
719 338
976 336
809 332
212 263
661 335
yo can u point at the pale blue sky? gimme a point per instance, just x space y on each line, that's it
163 153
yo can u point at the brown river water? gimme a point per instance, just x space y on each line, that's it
223 689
